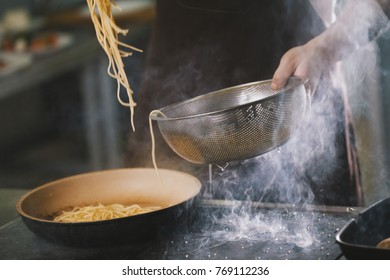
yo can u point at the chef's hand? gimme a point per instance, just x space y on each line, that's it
309 60
349 32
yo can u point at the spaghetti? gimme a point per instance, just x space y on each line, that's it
107 33
152 136
101 212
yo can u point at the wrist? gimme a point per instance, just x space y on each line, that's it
322 51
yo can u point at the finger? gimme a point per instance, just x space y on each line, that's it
285 69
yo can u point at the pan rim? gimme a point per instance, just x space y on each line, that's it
285 90
353 220
22 213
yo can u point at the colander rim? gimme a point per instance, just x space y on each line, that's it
156 115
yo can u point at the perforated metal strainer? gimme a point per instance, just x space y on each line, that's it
235 123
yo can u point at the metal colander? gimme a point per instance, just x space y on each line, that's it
235 123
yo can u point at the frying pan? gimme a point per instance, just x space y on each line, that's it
359 237
176 193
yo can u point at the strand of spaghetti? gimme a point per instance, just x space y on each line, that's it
154 143
129 46
107 33
152 137
119 75
114 51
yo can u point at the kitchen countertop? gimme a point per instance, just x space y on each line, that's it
214 232
8 199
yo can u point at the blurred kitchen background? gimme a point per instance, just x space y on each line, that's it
59 115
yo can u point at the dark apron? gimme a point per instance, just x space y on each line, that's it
198 46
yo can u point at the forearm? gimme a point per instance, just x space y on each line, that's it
359 23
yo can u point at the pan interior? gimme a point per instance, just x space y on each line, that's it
125 186
368 228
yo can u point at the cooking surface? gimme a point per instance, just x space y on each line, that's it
215 231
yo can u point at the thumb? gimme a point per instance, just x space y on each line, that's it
281 75
286 68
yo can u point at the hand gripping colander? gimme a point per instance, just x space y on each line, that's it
235 123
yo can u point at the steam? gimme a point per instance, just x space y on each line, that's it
241 231
358 75
302 171
290 173
256 226
313 156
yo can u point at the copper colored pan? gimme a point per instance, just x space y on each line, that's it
125 186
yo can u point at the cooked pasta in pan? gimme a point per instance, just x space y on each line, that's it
101 212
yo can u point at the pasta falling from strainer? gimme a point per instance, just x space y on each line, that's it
158 112
107 33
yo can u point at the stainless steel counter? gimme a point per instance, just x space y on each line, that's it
216 230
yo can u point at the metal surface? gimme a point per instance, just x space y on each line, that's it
208 233
234 123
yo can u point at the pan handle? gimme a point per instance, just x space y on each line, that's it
353 211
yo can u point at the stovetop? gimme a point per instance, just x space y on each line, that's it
216 230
